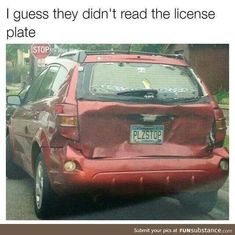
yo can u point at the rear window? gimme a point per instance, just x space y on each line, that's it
136 80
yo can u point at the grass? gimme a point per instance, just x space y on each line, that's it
226 141
13 89
13 92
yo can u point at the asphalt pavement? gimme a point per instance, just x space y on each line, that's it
20 207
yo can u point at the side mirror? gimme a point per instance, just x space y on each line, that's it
13 100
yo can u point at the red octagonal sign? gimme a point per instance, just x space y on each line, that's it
41 51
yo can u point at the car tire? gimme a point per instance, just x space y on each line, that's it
12 170
198 203
45 200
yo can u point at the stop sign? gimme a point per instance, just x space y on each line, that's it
41 51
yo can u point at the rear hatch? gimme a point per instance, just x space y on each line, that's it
128 110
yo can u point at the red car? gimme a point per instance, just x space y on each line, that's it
119 124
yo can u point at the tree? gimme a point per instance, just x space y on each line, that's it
11 51
15 72
157 48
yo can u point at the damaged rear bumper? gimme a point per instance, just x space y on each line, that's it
136 175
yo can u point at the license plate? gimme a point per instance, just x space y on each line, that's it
141 134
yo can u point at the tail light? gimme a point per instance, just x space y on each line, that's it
220 124
219 128
67 120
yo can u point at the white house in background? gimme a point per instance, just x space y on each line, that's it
23 58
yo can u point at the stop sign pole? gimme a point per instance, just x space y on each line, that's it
40 51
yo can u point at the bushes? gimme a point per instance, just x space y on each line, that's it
222 97
16 74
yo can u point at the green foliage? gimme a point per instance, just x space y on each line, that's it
222 97
88 47
158 48
11 50
226 142
13 90
15 74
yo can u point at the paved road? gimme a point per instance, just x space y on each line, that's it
20 207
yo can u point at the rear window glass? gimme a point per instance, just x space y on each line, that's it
139 82
168 80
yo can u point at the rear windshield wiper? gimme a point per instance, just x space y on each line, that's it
149 93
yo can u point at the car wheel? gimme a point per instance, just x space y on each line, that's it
12 170
199 203
45 199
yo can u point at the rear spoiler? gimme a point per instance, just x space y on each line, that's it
79 56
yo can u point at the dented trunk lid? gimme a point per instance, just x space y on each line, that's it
128 130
